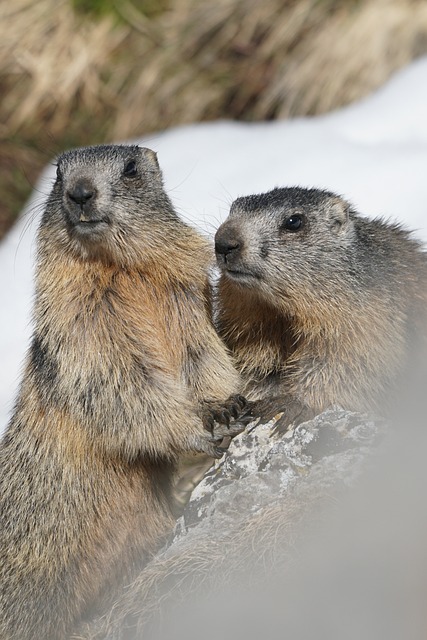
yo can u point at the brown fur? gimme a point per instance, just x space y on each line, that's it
325 314
123 363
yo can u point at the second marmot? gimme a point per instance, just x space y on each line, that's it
318 304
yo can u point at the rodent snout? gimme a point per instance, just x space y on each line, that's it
81 204
228 244
81 192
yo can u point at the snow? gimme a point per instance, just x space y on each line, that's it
373 152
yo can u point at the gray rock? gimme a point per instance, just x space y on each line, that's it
260 467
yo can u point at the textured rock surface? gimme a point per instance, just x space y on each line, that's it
260 467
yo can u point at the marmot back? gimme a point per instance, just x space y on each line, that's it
123 369
318 304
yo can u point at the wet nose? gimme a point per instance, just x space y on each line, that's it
81 192
227 243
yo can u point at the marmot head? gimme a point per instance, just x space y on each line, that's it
108 202
285 244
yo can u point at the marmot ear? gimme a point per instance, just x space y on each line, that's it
151 157
338 210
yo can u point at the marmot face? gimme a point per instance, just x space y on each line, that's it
106 202
282 241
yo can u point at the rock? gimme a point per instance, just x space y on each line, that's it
260 468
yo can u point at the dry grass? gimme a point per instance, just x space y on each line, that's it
51 62
67 79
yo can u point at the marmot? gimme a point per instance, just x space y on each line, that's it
123 368
318 304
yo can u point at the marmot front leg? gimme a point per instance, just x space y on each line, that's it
216 383
147 412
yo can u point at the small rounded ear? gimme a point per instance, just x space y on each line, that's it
151 157
338 214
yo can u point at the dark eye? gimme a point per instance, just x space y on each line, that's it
294 223
130 169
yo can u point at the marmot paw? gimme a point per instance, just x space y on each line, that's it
216 413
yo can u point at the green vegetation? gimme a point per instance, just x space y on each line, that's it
100 8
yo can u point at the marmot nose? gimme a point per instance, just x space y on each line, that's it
81 192
225 247
227 243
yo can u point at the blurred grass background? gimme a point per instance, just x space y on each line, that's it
78 72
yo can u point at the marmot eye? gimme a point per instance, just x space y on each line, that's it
130 169
294 223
